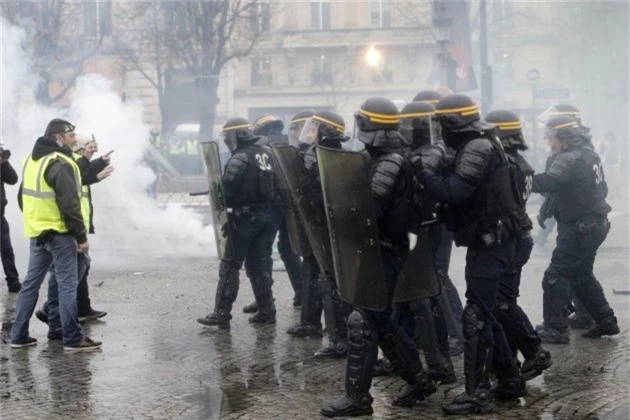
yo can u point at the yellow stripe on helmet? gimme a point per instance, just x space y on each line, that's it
339 127
297 120
569 124
417 114
467 110
236 127
382 118
510 125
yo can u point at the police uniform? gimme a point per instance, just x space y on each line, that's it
391 181
248 189
519 331
576 175
484 201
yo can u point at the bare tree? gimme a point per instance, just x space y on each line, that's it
59 49
192 41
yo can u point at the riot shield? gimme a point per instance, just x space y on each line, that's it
215 191
297 237
418 278
314 221
352 224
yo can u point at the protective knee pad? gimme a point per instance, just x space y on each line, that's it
362 354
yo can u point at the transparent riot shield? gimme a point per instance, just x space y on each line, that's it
215 191
313 219
297 236
352 225
418 278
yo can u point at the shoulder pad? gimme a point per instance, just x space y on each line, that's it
236 165
432 158
385 174
523 165
473 160
563 163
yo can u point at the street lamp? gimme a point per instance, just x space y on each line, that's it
373 57
442 22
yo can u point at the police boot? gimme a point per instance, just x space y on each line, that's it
535 366
267 309
550 335
418 391
479 402
509 389
252 308
264 316
607 326
308 330
362 353
383 367
219 319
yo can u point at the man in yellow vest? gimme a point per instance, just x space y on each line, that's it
53 220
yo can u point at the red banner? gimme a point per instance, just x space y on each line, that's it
460 74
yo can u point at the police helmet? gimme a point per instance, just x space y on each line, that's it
235 131
323 125
459 114
297 123
417 123
431 96
562 109
508 128
267 124
566 129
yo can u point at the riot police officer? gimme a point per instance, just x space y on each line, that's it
269 128
295 128
576 175
248 187
481 191
418 127
391 181
451 302
517 326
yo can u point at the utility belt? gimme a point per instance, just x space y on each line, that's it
487 233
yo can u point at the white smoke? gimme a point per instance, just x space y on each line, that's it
125 218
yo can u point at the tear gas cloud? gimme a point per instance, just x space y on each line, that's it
125 218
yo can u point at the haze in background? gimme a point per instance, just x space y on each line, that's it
125 218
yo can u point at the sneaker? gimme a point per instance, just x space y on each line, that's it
14 286
552 336
252 308
42 316
87 344
534 367
92 315
606 327
30 341
55 335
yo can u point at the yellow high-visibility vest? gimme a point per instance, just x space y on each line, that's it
39 206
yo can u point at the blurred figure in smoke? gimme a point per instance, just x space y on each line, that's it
10 177
92 171
612 158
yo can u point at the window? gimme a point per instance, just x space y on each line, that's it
322 72
261 72
320 14
260 18
98 18
381 13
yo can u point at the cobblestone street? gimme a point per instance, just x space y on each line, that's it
157 362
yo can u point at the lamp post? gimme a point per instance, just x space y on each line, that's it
442 22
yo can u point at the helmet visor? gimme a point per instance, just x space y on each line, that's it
229 138
309 133
295 129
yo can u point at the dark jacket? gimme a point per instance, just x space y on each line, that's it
89 171
60 176
8 176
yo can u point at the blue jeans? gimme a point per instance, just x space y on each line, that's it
83 265
61 251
